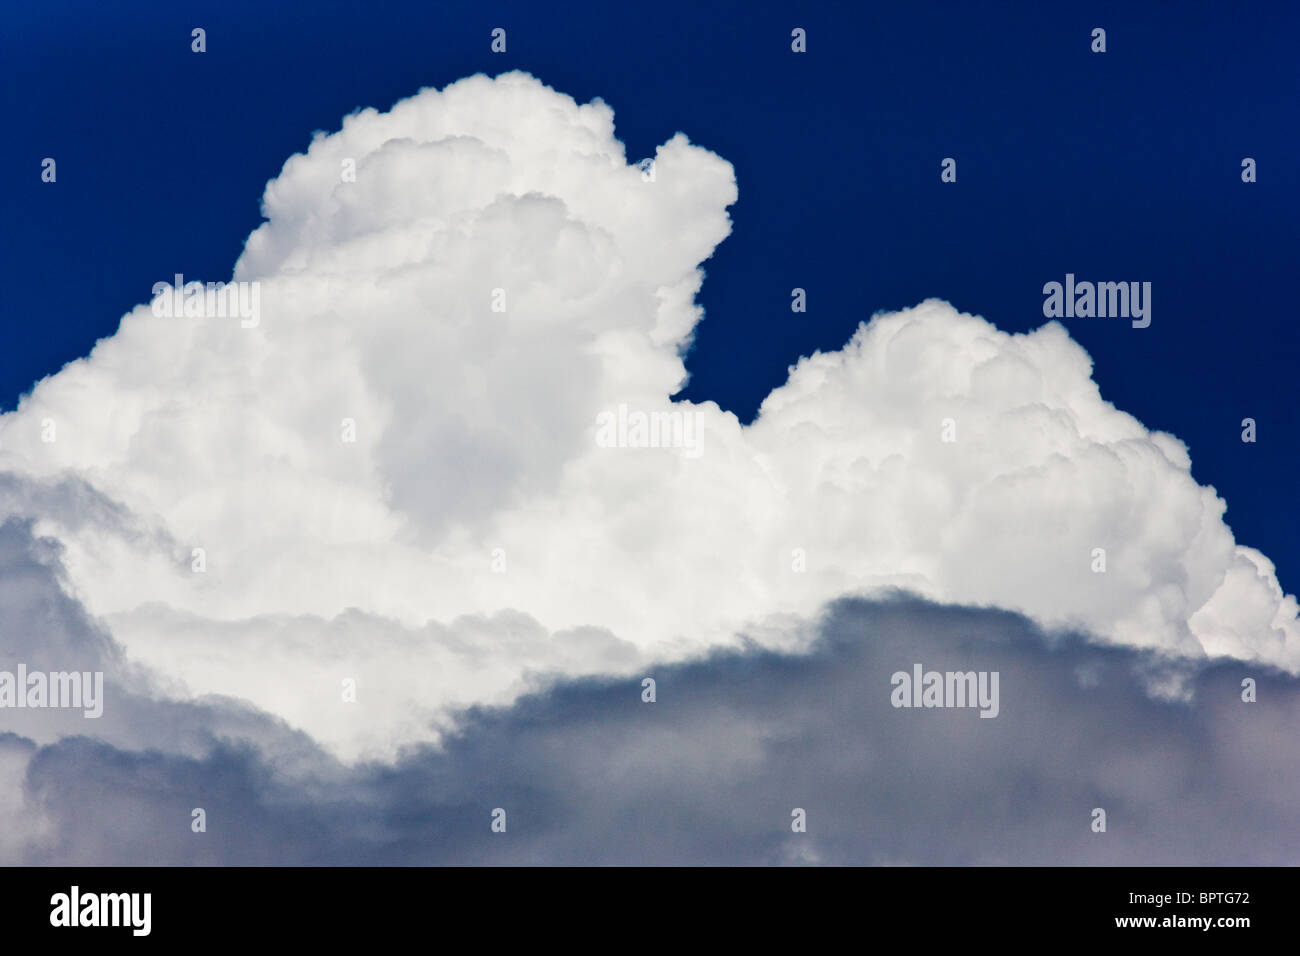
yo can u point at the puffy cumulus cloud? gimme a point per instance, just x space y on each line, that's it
712 770
1038 474
496 277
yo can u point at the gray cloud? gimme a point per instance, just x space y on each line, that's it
709 773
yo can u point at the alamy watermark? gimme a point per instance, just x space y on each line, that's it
621 428
58 690
923 688
212 300
130 910
1085 300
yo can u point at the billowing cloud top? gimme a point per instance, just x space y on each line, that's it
481 289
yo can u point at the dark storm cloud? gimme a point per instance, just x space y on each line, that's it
710 772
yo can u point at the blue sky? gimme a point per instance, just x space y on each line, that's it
1114 166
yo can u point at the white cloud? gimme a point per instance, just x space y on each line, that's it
475 431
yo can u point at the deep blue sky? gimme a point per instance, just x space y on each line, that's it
1117 166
